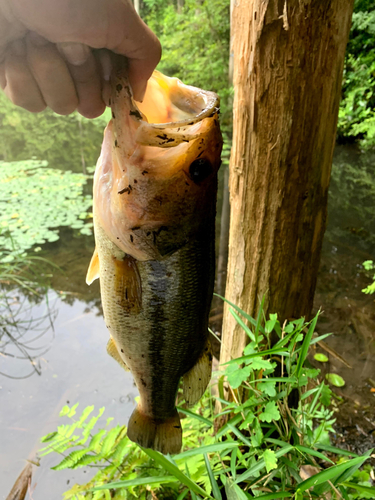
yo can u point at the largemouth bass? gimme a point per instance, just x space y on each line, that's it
154 211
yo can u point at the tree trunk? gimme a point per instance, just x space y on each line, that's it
222 259
288 64
180 6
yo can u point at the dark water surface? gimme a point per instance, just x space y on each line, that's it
76 368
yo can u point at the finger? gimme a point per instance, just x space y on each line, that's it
141 46
20 85
51 74
86 77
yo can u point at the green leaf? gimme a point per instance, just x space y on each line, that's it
238 375
322 358
329 474
245 328
335 379
234 492
275 496
261 464
270 412
135 482
349 472
305 346
195 415
210 448
214 485
336 451
313 453
270 460
175 471
360 487
239 434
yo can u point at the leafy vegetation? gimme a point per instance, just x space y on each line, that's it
274 442
35 201
369 266
63 141
195 41
357 110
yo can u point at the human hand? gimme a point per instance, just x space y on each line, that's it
46 57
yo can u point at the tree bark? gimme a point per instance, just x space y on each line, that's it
288 64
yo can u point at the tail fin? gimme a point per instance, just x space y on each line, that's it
160 435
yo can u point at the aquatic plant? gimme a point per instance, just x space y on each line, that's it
274 442
369 266
35 201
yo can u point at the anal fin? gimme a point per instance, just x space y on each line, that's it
93 270
160 435
113 352
196 380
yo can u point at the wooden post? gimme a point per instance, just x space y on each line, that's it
288 64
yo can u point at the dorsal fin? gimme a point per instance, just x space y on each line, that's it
93 270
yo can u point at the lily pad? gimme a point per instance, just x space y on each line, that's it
35 201
335 379
322 358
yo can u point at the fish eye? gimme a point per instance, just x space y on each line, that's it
200 169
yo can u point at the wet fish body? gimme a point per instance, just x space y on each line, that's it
154 213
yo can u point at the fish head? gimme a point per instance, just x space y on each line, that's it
156 180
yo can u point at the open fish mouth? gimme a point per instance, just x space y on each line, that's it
158 160
172 112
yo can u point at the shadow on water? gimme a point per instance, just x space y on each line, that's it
69 363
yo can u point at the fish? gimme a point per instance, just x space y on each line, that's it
154 207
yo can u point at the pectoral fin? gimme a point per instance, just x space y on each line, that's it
113 352
196 380
93 270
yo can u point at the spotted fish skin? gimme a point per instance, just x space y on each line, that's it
154 217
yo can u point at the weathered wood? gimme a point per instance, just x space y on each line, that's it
288 64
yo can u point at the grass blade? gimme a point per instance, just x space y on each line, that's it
135 482
279 494
305 346
242 324
195 415
175 471
257 355
240 436
360 487
261 464
349 472
329 474
182 495
314 453
247 316
333 449
214 485
210 448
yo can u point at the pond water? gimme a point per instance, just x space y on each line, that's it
71 365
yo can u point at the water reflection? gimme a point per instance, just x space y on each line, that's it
26 333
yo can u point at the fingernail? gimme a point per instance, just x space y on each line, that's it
106 64
75 53
140 92
36 39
